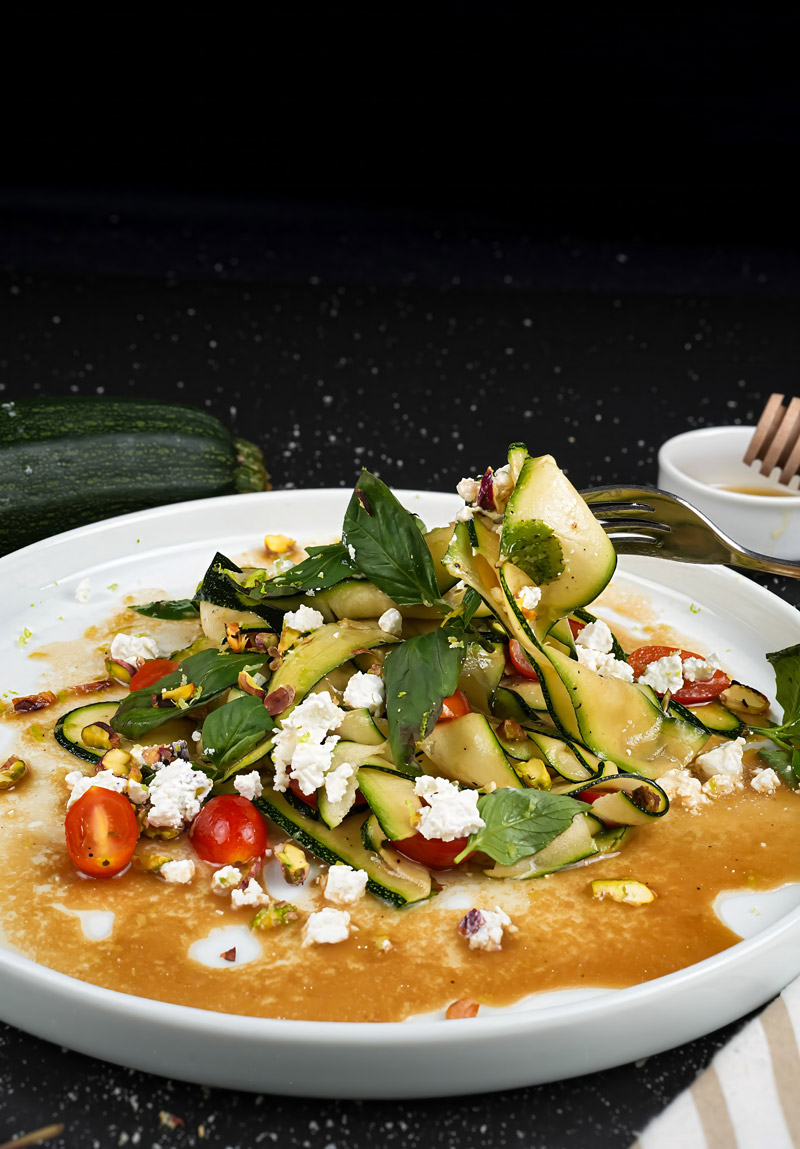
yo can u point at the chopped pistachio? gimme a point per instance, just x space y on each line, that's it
276 914
12 771
150 863
294 864
623 890
119 762
534 773
161 833
99 736
180 694
248 684
278 544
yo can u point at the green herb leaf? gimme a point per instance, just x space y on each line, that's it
211 672
173 608
325 566
388 546
533 547
230 732
520 823
785 761
418 674
786 664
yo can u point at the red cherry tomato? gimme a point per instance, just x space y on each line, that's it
152 671
101 832
309 799
519 661
591 796
456 706
228 830
576 626
691 692
431 852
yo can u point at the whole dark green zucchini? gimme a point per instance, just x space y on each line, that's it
66 462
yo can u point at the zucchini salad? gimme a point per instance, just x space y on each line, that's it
405 772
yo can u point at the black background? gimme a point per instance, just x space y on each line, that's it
398 239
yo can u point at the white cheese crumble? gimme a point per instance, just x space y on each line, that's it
664 674
80 783
723 759
681 786
484 928
304 619
302 751
226 878
503 486
252 895
465 514
336 781
596 636
327 927
391 621
604 664
248 785
176 794
468 489
180 872
529 598
351 550
451 813
720 786
83 591
137 793
134 648
365 690
765 781
700 669
345 886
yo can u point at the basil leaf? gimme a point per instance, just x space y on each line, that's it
231 731
387 545
785 761
786 664
520 823
174 608
325 566
418 675
533 547
211 672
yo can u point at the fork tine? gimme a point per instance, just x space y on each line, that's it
634 526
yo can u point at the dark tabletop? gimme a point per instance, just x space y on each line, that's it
336 338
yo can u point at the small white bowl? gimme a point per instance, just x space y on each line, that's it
700 465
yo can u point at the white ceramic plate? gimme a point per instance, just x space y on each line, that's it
561 1036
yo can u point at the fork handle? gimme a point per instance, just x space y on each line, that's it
753 561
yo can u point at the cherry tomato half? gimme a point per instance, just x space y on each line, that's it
228 830
101 832
432 852
309 799
691 692
591 796
520 662
456 706
576 626
152 671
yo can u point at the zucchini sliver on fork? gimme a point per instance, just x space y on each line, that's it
647 521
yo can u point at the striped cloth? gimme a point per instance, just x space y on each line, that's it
749 1097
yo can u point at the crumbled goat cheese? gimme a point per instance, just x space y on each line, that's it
604 664
484 928
720 786
345 886
451 813
252 895
503 486
196 736
700 669
680 785
134 648
765 781
351 550
305 618
596 636
302 751
468 489
336 781
176 794
664 674
80 783
179 873
465 514
529 598
391 621
365 690
226 878
137 793
248 785
83 591
723 759
327 927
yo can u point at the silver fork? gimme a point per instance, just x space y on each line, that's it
646 521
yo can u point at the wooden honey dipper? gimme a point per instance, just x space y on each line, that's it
776 439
